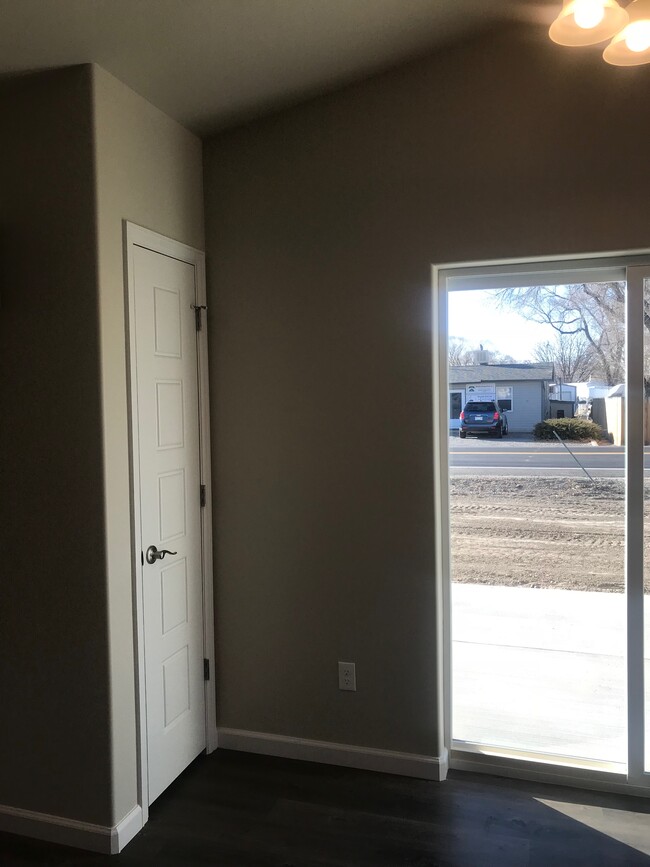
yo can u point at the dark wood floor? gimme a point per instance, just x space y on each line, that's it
237 810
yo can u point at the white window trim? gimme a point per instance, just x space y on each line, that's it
511 388
514 272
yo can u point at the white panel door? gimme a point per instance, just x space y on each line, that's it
167 428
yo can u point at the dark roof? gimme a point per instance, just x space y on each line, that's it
468 373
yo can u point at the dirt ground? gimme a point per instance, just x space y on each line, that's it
539 532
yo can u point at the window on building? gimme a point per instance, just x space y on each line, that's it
504 397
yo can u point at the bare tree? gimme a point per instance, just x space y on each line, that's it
595 311
571 354
497 357
460 355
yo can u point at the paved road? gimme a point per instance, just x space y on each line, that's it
507 458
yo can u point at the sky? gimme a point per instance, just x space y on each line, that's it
475 316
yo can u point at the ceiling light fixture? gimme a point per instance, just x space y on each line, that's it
631 46
587 22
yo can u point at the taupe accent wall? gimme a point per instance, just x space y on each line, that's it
322 226
54 722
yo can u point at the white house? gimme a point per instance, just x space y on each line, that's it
592 388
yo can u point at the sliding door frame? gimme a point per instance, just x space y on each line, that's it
632 266
634 524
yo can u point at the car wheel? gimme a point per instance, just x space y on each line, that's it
505 431
462 434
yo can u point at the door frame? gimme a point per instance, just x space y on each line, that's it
516 764
137 236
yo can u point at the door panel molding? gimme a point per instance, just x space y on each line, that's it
138 237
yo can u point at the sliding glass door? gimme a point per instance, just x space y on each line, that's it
546 627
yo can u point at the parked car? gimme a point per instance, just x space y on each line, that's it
483 416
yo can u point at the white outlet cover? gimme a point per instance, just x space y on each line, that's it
347 676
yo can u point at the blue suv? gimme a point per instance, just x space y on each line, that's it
483 417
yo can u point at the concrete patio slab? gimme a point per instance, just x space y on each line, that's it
541 670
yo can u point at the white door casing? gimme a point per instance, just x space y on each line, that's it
170 463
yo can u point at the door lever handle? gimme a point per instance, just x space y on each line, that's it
154 554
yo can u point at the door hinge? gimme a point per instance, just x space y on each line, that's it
206 669
197 313
203 496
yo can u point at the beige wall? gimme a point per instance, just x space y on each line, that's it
149 171
322 225
54 721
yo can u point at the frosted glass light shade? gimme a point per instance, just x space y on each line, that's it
631 47
608 16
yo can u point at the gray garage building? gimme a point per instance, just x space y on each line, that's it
521 389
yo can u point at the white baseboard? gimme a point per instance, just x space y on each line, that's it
363 758
444 764
212 740
126 829
69 832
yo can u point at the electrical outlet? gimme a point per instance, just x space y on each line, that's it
347 676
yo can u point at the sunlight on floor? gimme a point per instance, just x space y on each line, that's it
624 826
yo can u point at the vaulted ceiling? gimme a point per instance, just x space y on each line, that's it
211 63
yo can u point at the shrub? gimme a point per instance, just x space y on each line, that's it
568 429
